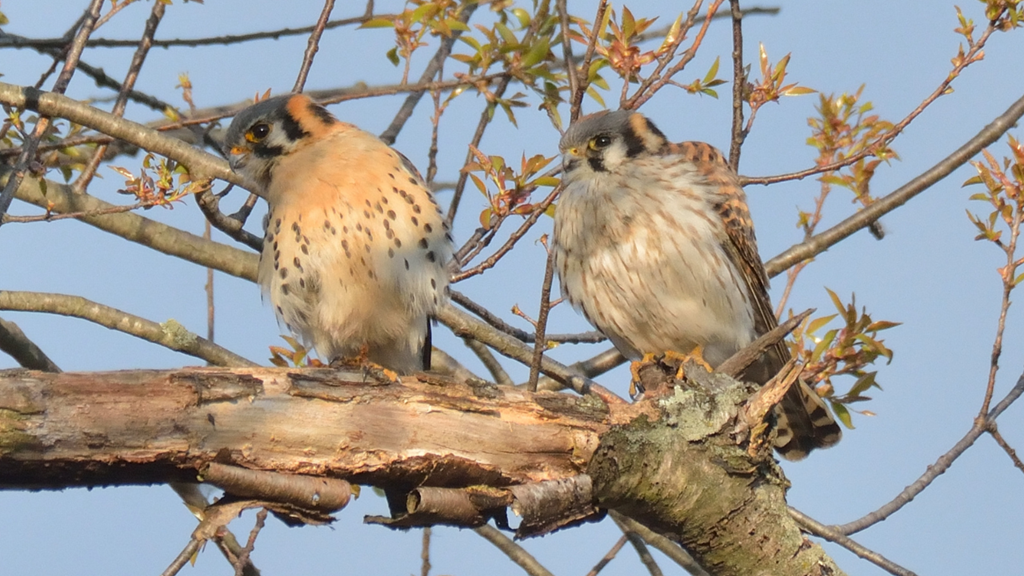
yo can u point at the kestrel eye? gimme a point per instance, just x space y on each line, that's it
259 131
601 142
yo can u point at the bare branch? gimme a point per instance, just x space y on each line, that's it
313 45
815 527
243 558
820 242
541 343
74 51
436 63
739 84
144 231
24 351
994 431
666 546
515 552
466 326
183 557
608 557
169 334
641 549
489 361
935 470
961 63
200 164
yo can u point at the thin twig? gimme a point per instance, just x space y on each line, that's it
391 133
608 557
820 242
138 59
815 527
650 86
493 259
667 547
641 548
183 557
739 84
483 353
169 334
542 320
969 58
994 431
568 60
514 551
209 204
935 470
577 97
243 557
425 553
313 45
20 169
141 230
6 41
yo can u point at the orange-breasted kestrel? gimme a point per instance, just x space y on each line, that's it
356 247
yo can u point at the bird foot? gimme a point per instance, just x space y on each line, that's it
636 386
369 368
696 356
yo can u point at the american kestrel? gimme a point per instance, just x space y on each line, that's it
355 254
654 244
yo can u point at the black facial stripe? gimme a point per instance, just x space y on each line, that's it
634 144
654 129
292 129
596 163
321 113
265 151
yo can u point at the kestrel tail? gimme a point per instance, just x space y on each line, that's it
654 244
356 247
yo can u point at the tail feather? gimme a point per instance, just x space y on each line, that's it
804 423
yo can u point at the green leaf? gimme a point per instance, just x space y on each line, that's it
547 181
522 15
538 52
506 34
843 414
817 324
378 23
712 73
393 56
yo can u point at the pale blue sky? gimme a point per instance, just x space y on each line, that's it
928 273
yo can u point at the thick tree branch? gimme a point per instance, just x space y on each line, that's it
677 464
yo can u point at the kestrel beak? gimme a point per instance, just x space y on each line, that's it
570 156
238 157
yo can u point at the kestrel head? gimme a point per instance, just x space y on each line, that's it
264 132
605 141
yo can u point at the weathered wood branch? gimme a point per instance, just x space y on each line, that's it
678 462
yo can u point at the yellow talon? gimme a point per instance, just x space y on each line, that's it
635 387
696 355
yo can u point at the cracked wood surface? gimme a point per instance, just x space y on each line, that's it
130 427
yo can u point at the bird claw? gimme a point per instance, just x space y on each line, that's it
369 368
636 386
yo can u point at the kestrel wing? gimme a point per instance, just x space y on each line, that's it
741 245
804 421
